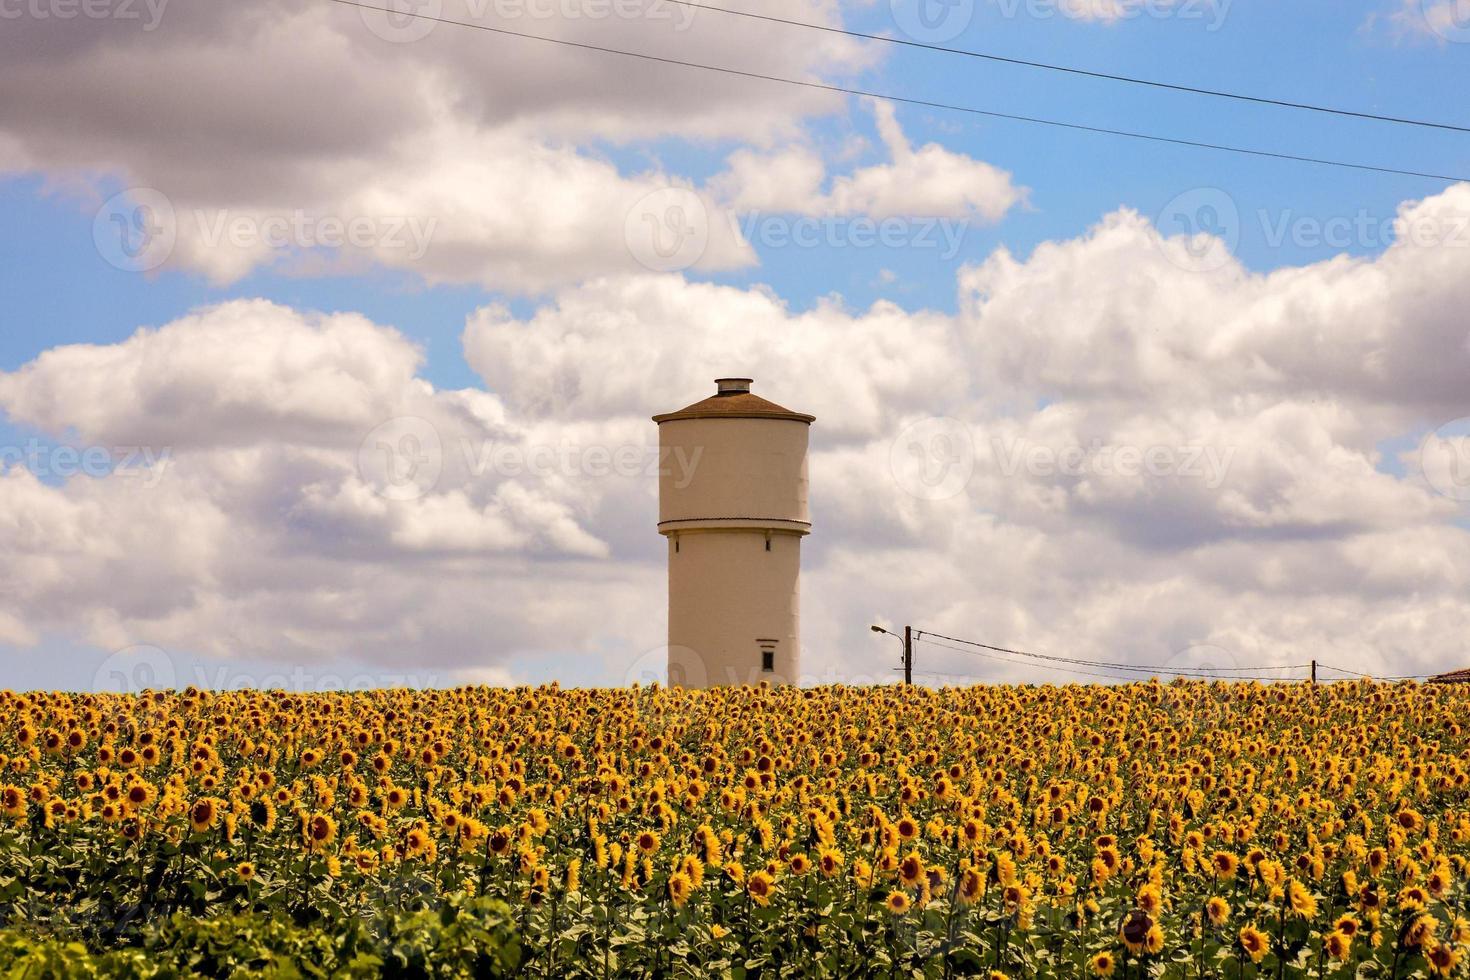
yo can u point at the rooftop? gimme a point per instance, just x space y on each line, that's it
733 400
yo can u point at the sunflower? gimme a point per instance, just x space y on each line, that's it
1419 933
1135 931
203 814
710 843
1254 942
1443 959
693 869
1413 898
898 902
1337 945
245 871
417 843
12 801
1217 911
1301 899
1103 964
680 888
571 881
761 886
319 830
911 869
971 886
262 814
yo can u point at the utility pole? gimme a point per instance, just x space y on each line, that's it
908 656
1314 671
908 650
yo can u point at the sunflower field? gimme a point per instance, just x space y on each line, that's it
1181 830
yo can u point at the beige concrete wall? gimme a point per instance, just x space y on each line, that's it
733 468
740 482
726 594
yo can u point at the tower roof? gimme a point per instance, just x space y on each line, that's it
733 400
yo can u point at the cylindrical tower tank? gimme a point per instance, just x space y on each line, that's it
732 501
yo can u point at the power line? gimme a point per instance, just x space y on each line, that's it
1210 672
974 647
1066 670
1357 673
1113 677
1071 70
824 87
945 675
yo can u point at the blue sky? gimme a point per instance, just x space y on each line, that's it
56 288
1377 56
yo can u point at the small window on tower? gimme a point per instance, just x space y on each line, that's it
768 544
768 660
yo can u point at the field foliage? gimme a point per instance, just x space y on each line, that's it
1182 830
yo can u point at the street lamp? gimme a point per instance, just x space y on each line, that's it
907 641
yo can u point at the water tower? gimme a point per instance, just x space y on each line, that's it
732 504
